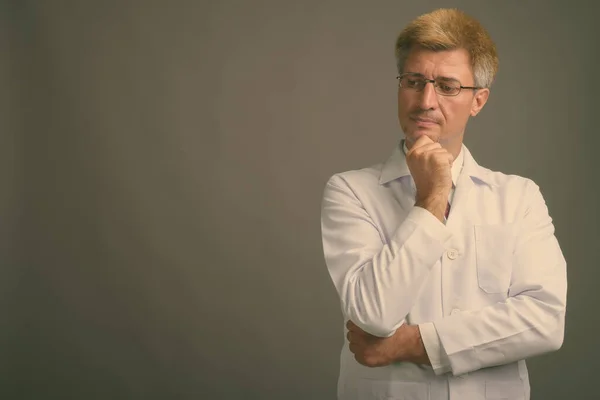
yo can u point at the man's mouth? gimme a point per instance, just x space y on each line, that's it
424 120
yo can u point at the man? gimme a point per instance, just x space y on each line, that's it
449 274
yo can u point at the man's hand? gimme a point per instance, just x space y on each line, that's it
372 351
430 166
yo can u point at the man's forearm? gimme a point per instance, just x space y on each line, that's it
420 353
411 347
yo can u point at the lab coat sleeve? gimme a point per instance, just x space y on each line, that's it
433 347
531 321
377 280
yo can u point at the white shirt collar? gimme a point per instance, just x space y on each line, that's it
395 167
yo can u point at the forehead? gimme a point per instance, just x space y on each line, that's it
447 63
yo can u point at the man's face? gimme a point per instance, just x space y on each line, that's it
425 112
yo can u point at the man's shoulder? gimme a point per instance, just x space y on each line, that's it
355 178
506 181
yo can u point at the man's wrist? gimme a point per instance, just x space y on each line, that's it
420 354
412 348
436 205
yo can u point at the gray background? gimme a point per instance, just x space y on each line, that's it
162 171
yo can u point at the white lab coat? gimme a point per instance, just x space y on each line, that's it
490 283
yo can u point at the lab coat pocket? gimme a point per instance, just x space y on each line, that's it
372 389
504 390
494 245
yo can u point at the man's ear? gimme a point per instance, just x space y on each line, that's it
479 100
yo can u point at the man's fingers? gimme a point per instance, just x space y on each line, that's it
424 149
358 337
422 140
357 334
435 152
353 327
443 152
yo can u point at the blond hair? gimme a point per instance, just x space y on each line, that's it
450 29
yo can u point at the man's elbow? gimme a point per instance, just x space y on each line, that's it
379 327
370 311
554 338
381 330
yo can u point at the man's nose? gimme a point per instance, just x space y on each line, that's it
429 99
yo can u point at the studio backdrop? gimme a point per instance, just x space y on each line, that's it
163 164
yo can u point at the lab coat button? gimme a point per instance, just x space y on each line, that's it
454 311
452 254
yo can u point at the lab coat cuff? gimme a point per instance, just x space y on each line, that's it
459 349
433 346
427 221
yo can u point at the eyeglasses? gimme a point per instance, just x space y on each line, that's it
443 86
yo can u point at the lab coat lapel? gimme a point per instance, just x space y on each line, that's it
460 202
460 213
395 176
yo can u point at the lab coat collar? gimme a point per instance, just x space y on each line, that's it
395 167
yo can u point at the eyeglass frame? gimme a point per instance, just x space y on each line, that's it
433 81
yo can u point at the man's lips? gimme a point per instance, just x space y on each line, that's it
422 120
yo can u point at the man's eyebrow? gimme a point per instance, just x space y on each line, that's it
444 78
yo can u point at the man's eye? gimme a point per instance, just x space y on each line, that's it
447 87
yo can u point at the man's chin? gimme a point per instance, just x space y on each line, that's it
414 136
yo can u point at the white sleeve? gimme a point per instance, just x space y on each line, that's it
433 347
377 282
531 321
